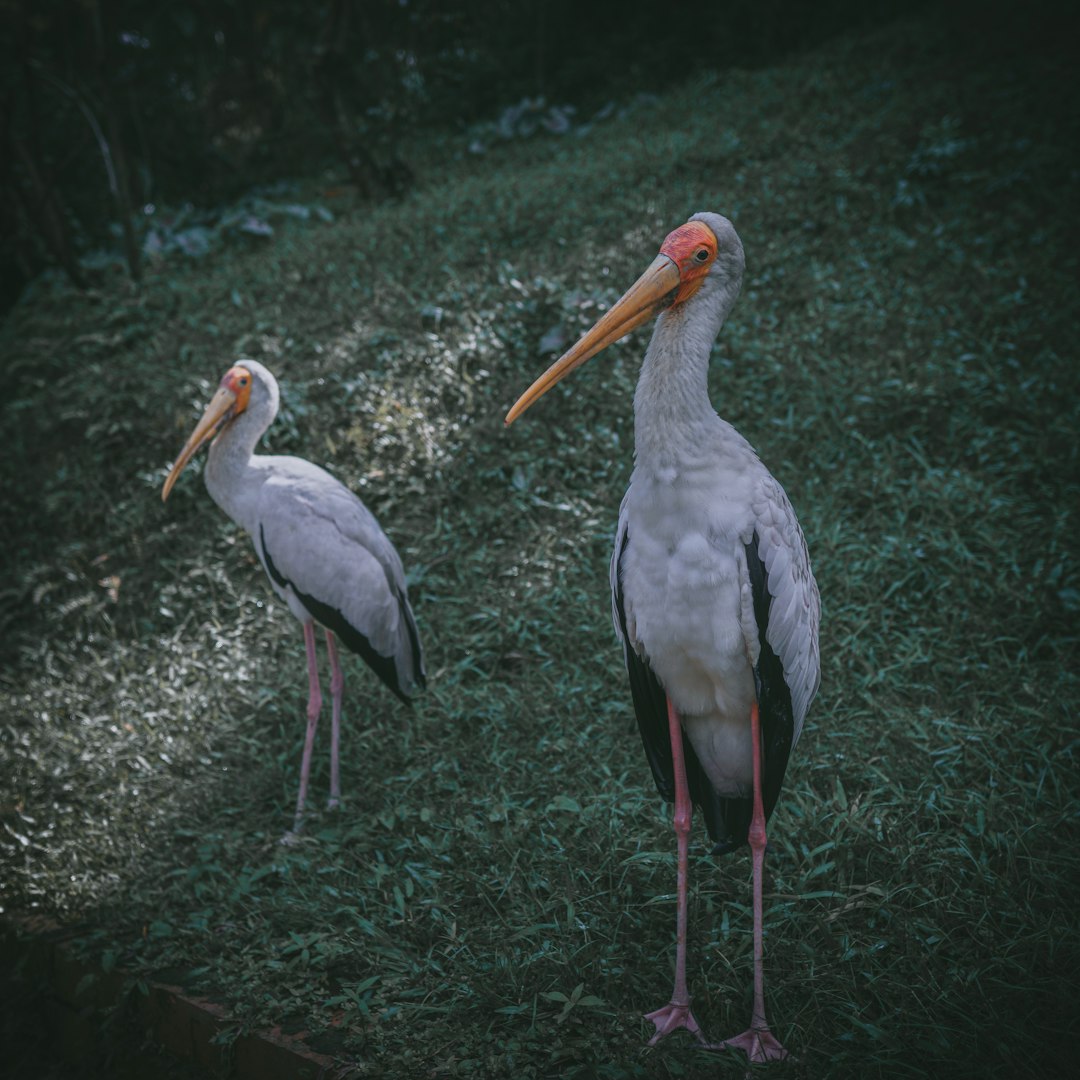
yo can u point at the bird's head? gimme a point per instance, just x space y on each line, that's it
703 252
231 399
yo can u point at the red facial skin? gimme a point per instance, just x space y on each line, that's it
237 380
692 247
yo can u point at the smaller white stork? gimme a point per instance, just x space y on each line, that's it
321 547
712 595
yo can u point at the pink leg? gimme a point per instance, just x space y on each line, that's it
676 1013
758 1041
337 688
313 706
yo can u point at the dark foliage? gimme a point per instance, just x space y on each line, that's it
112 109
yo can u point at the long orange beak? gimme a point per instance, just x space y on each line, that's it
647 296
218 412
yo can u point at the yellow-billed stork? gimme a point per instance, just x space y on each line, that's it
712 594
321 547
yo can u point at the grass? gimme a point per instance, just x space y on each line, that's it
496 899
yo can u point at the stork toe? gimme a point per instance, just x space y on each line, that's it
760 1044
672 1017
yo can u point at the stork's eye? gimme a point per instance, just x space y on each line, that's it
243 381
702 255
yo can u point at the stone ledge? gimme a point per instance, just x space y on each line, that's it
185 1026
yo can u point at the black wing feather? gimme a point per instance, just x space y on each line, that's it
773 693
333 620
414 639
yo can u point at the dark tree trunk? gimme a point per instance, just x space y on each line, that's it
112 144
123 193
43 210
331 72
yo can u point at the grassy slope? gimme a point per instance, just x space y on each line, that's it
496 897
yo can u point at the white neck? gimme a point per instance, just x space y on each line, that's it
674 420
229 466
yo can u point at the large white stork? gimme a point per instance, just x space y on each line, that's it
320 546
711 590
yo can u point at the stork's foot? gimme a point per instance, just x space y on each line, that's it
672 1017
760 1044
294 835
333 803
